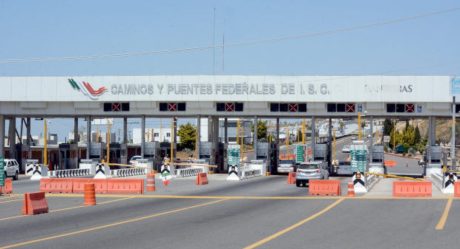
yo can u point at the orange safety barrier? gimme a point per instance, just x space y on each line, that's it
412 189
291 178
457 189
389 163
8 188
90 194
351 190
201 179
78 185
125 186
34 203
56 185
151 182
324 187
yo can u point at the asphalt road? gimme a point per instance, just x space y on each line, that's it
184 215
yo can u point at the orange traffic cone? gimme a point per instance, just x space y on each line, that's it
151 182
90 194
351 189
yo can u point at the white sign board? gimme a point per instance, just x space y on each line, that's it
228 88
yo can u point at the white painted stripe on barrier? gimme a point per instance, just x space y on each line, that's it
128 172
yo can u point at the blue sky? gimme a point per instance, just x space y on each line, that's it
60 28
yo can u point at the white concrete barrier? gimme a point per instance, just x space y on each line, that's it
38 172
445 183
102 171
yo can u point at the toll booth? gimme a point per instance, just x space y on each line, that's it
220 156
152 152
165 150
433 160
321 152
264 152
115 152
97 151
123 153
21 156
274 149
68 156
205 151
376 165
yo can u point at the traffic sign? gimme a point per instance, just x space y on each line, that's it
299 154
233 155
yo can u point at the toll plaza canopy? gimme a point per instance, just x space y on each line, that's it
226 95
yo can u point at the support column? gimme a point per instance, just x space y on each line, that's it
226 131
198 137
88 137
143 135
2 136
313 136
29 138
329 145
215 139
125 130
255 136
452 142
277 160
12 137
431 136
371 139
76 137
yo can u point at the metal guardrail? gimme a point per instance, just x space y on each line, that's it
128 172
69 173
187 172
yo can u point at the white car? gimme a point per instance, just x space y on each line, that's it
286 166
346 149
11 168
133 160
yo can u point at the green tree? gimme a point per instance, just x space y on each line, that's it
187 135
387 127
261 129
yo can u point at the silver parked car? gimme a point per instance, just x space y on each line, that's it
311 170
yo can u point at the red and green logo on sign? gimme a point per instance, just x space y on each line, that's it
87 89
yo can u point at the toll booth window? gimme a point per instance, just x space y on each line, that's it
116 107
229 107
